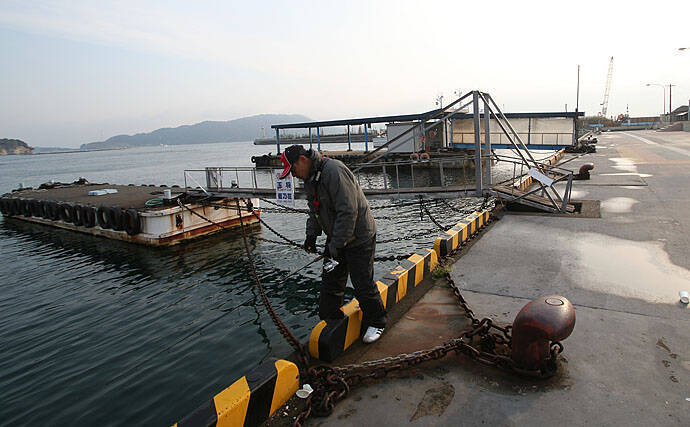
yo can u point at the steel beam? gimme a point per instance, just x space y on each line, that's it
477 145
487 141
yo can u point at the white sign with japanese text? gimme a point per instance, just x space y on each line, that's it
285 190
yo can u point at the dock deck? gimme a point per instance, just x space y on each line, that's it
127 196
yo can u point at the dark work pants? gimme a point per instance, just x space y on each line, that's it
358 261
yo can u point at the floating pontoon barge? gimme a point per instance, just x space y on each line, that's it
138 214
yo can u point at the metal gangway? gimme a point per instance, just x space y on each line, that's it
448 176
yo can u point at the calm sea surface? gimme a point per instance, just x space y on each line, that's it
95 331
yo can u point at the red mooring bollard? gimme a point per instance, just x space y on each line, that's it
583 173
539 323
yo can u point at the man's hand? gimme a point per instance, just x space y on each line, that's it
310 244
333 251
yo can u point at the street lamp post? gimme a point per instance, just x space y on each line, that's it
663 88
439 102
670 109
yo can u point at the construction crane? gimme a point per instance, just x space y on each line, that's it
605 104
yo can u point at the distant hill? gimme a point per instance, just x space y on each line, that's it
244 129
14 146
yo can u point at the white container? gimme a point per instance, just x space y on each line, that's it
167 194
684 297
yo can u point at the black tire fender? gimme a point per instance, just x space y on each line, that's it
45 212
54 211
115 214
103 217
37 208
16 207
4 206
78 215
26 207
66 212
131 222
89 215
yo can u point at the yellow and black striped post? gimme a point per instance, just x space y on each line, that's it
460 233
328 341
251 400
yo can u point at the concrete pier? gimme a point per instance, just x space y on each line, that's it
628 359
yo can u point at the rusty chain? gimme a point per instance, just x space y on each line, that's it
301 349
422 205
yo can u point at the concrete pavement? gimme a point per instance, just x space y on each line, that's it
628 359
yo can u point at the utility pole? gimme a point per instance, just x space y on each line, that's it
577 99
577 104
439 102
670 108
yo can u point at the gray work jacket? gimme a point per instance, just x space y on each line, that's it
344 213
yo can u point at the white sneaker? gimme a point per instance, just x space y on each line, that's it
372 334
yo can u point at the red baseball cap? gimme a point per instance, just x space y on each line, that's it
287 166
289 157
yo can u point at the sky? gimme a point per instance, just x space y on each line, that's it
81 71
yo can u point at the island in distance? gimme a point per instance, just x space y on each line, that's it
14 146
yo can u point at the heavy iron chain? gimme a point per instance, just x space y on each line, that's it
301 349
290 210
394 239
286 241
486 343
426 210
290 242
378 258
302 352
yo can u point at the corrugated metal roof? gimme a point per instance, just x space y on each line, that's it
433 114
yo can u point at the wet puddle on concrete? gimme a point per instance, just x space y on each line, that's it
618 205
624 164
640 270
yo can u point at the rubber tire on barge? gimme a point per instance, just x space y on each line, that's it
66 212
89 214
103 217
131 222
78 216
116 218
26 208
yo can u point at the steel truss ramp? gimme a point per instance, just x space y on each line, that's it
529 198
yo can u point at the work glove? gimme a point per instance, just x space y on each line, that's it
310 244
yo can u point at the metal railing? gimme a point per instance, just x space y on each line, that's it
423 174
